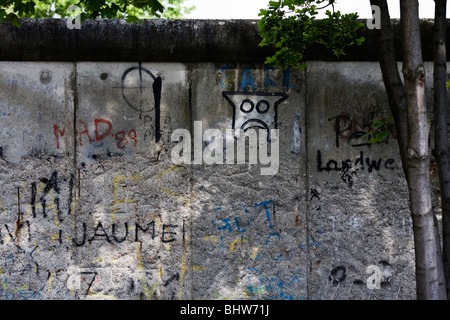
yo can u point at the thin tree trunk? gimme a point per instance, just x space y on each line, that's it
441 129
429 273
392 81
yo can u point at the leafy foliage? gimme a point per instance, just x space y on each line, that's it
131 10
379 130
290 26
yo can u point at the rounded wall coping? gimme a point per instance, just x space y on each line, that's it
161 40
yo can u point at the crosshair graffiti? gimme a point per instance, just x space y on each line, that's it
255 109
142 97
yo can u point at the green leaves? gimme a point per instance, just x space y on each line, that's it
131 10
290 27
11 10
379 137
132 19
379 130
153 5
11 17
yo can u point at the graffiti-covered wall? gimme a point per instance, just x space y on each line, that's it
124 179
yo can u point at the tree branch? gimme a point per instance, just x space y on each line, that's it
392 80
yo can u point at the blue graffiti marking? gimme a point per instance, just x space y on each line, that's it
309 243
227 225
267 80
224 82
287 79
275 234
279 257
222 244
264 204
238 227
248 79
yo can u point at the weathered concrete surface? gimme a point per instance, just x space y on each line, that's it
359 210
97 209
92 205
249 224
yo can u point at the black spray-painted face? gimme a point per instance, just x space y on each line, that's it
255 109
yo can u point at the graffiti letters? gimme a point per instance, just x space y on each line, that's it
102 129
353 131
356 134
361 162
117 234
227 78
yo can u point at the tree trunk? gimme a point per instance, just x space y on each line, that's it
441 129
392 81
429 273
407 104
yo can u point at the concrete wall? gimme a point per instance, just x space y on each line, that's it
92 206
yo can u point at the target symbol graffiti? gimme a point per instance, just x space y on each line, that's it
141 90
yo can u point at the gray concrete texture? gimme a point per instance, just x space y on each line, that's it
92 206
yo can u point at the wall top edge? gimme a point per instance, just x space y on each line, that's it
161 40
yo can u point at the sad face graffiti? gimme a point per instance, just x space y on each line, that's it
255 109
